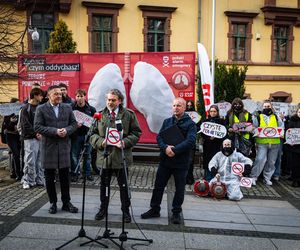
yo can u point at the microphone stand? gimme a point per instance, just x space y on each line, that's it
107 232
123 235
84 155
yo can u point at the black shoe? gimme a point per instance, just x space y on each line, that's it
295 183
90 178
53 209
69 207
101 214
176 219
127 217
150 214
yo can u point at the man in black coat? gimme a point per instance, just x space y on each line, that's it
55 121
174 160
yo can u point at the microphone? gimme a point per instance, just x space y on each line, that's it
119 125
96 117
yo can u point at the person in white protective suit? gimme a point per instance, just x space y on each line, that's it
221 163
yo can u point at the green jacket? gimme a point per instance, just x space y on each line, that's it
131 135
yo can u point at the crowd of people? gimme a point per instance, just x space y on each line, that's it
46 141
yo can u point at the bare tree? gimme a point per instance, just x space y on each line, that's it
12 32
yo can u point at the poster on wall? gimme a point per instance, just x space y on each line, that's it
98 72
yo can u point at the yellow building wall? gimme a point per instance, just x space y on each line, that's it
8 89
260 49
184 27
130 23
261 90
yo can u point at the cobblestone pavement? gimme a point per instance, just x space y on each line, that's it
141 177
17 204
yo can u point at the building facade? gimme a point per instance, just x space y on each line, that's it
263 34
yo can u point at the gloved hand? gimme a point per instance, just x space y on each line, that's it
214 171
247 170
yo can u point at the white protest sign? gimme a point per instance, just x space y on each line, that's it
242 127
113 137
246 182
83 118
213 129
10 108
269 132
194 116
237 168
292 109
223 108
250 105
281 108
292 136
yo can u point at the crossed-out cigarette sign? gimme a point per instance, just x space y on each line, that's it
237 168
270 132
113 137
246 182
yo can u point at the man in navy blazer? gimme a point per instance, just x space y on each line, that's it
174 160
55 121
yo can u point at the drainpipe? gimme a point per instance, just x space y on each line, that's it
199 21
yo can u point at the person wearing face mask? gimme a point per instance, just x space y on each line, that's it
221 163
211 145
267 148
237 114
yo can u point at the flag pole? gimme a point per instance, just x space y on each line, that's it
213 50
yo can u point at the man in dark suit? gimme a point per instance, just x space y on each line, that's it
55 121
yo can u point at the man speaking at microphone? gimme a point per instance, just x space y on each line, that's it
115 116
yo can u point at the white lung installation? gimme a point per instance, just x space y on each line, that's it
151 95
106 78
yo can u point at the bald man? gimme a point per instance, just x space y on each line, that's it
174 160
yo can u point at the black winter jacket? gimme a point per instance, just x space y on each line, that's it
181 150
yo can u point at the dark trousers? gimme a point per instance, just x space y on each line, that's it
13 141
105 188
162 177
63 174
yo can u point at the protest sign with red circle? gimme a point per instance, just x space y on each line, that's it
246 182
113 137
269 132
237 168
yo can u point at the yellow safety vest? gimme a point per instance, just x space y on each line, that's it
246 135
273 124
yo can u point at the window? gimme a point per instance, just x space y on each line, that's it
45 25
282 20
281 96
103 26
239 35
239 42
156 35
280 43
156 31
102 34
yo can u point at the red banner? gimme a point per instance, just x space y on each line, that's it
77 71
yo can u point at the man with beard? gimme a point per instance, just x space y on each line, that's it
267 148
111 157
222 163
64 91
